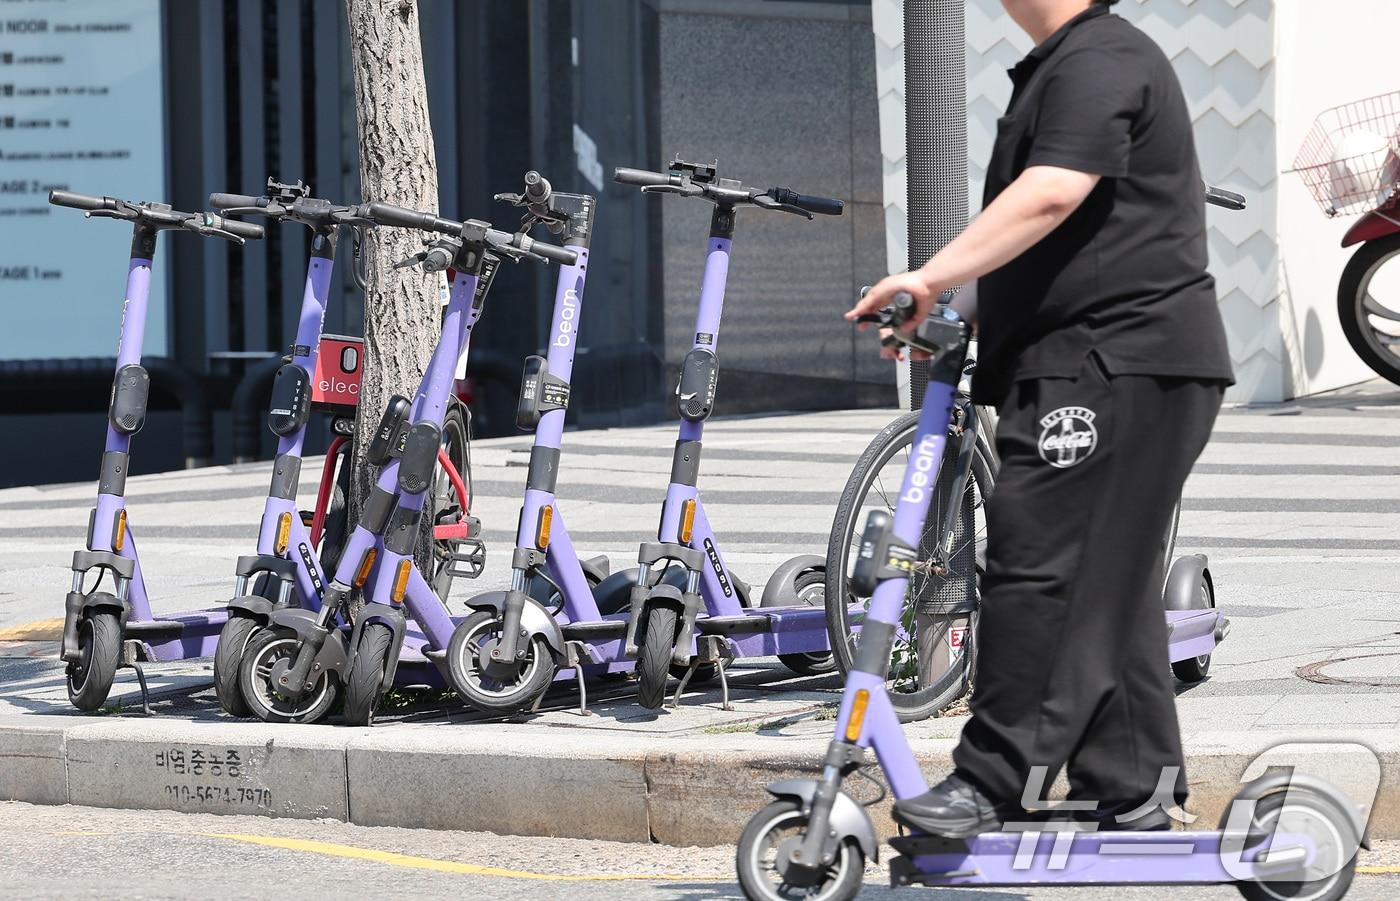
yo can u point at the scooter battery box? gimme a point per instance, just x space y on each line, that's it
335 385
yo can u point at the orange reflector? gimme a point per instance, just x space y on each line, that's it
401 580
862 700
366 564
119 538
687 520
284 532
542 530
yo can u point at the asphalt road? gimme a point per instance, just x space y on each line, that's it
80 852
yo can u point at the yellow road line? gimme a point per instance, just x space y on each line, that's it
442 866
43 630
1379 871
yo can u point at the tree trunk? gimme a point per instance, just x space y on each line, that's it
403 316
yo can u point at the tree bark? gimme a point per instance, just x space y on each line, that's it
403 316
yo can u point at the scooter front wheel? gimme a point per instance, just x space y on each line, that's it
482 685
657 639
364 689
269 655
770 833
228 654
100 643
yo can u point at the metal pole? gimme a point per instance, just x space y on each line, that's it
935 110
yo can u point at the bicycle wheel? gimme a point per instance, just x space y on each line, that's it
446 505
1368 306
934 653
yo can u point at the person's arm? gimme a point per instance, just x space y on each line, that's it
1031 207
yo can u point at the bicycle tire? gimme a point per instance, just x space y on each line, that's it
953 682
1352 291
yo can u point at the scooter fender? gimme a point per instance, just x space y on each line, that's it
393 618
534 619
334 656
255 606
781 588
1183 582
77 607
1285 779
848 819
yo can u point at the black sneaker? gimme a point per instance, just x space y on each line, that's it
955 808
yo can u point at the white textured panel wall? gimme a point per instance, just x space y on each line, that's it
1329 53
1223 51
887 17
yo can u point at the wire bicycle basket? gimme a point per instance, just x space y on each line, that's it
1350 159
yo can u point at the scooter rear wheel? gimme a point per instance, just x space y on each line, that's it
100 643
270 651
364 689
811 590
483 691
1195 669
657 639
1301 810
756 860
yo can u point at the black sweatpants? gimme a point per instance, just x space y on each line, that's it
1072 661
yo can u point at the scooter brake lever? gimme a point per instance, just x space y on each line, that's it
683 190
411 261
765 202
512 199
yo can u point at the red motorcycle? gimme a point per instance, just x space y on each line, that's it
1350 162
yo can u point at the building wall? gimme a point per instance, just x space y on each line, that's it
1327 54
1254 73
782 94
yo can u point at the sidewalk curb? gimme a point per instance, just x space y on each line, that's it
526 779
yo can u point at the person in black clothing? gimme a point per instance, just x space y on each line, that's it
1100 342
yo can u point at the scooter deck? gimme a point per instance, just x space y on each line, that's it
169 637
1194 633
769 631
1066 857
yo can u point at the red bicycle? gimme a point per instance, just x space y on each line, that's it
1350 162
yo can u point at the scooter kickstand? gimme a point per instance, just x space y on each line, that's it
130 658
685 680
575 659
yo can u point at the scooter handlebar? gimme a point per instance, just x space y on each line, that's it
230 201
1223 198
824 206
642 178
552 252
397 216
81 201
250 231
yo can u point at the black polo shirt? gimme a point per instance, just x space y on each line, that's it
1125 275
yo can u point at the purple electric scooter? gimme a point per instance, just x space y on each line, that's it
103 630
562 617
294 669
666 630
1285 835
287 566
